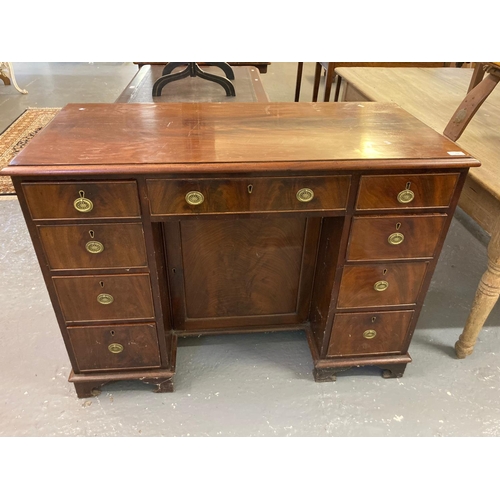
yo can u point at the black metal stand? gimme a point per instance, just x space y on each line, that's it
193 70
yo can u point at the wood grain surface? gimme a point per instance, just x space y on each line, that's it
118 134
65 246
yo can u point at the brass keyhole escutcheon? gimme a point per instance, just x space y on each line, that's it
369 334
195 198
380 286
83 204
406 195
396 238
94 247
115 348
105 298
305 194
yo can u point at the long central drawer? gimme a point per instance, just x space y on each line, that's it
262 194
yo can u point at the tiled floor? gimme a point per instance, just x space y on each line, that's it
246 385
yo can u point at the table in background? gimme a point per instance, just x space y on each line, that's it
247 84
433 95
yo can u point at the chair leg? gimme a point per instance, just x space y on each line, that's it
338 84
317 77
298 81
329 80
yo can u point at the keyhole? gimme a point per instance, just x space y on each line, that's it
101 283
385 272
408 184
374 318
398 225
112 332
82 194
250 188
91 234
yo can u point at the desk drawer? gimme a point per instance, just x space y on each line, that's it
105 297
66 200
115 347
401 237
400 192
381 285
252 194
94 246
369 333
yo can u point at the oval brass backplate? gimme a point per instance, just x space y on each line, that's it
94 247
305 194
115 348
406 196
369 334
396 238
105 298
83 204
380 286
195 198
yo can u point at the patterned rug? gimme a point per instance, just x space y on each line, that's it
15 138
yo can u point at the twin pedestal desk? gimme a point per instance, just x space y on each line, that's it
152 221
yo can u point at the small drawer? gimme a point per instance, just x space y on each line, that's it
117 347
260 194
82 200
105 297
401 237
369 333
400 192
381 285
94 246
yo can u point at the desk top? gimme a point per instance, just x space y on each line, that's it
208 137
247 84
433 95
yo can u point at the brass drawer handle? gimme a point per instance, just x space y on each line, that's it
105 298
94 247
83 204
396 238
369 334
305 194
406 195
195 198
115 348
380 286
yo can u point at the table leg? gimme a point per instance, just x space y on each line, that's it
10 78
486 297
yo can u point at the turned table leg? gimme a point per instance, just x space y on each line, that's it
486 297
9 78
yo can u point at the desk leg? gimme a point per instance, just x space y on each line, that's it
487 295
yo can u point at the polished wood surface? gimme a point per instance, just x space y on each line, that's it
66 246
247 84
391 329
419 235
404 282
166 135
230 272
248 194
139 345
251 256
109 199
381 192
131 294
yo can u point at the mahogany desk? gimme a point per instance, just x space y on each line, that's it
433 96
157 220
